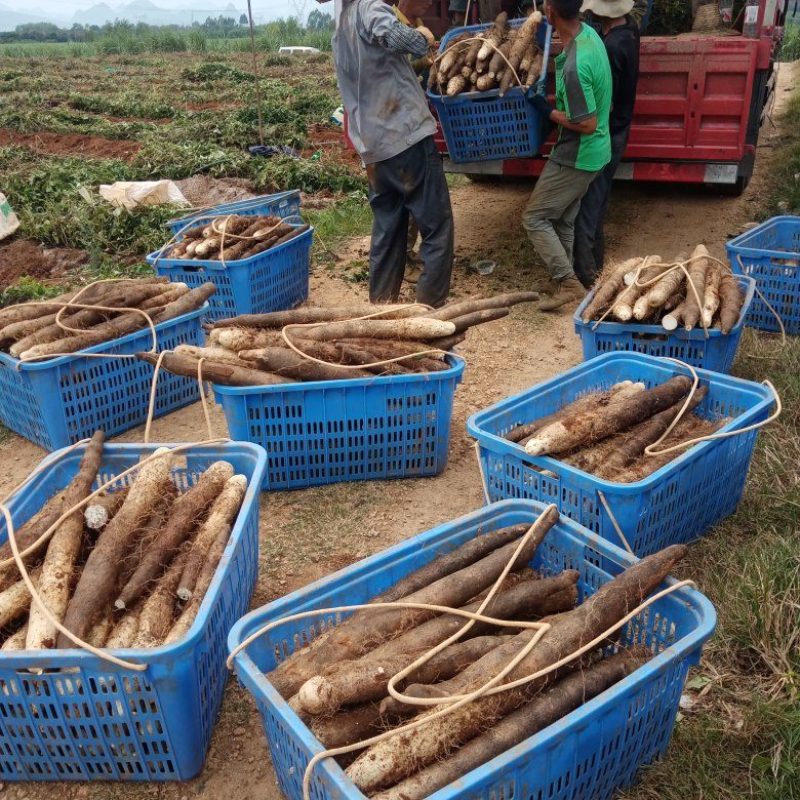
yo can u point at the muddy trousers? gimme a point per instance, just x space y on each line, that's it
410 183
590 248
549 217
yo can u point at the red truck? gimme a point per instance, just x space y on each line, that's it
700 104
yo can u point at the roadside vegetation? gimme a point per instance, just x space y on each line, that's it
739 735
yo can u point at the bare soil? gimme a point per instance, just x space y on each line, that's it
308 534
73 144
22 257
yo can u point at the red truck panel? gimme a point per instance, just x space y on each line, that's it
693 99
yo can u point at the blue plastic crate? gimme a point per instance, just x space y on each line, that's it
85 719
770 253
394 426
675 504
482 126
60 401
283 205
590 753
274 280
716 352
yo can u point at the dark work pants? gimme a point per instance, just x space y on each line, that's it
411 182
589 248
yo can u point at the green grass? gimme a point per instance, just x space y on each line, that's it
790 49
785 194
742 741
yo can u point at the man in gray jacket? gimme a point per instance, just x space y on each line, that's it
392 129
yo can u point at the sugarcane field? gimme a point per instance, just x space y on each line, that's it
399 400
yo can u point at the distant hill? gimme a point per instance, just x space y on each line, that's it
10 19
148 12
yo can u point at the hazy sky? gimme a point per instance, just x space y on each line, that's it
264 9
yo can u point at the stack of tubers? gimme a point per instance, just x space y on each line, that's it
250 350
30 331
338 684
606 433
706 295
501 57
233 238
129 568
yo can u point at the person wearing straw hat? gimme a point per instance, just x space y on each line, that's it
620 34
583 103
392 129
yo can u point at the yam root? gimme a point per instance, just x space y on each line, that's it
186 510
592 426
478 318
412 328
123 634
585 403
697 279
223 512
452 310
286 363
608 288
16 600
101 509
493 37
711 295
156 615
526 36
224 374
97 583
204 579
644 434
731 300
300 316
55 581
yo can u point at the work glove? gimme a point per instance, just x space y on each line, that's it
540 103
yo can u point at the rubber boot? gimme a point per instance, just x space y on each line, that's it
569 291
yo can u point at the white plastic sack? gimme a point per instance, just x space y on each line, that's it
129 194
8 219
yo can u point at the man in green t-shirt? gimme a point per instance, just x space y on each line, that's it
583 103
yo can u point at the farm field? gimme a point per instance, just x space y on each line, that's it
68 124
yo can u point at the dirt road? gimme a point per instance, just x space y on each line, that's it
307 534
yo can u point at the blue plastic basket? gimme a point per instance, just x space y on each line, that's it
283 205
590 753
394 426
716 352
85 719
57 402
482 126
675 504
274 280
770 253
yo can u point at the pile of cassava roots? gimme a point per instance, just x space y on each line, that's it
250 350
662 294
232 238
31 331
338 684
482 61
130 567
606 433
